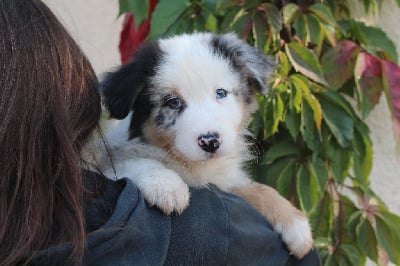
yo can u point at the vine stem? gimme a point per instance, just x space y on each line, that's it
337 212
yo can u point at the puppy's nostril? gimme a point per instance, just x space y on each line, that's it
209 142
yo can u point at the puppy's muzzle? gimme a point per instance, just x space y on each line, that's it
209 142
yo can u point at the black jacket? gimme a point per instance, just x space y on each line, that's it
217 229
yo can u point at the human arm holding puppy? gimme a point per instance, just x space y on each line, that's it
52 212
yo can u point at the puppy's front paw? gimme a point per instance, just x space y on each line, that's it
297 236
165 189
290 222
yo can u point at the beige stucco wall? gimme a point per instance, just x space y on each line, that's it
94 25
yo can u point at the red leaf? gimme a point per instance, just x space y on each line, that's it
368 74
338 63
130 39
391 74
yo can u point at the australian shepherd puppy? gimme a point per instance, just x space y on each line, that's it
183 105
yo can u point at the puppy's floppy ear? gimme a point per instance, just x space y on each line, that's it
256 65
121 87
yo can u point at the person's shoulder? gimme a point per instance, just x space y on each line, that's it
122 228
217 228
100 198
220 228
131 231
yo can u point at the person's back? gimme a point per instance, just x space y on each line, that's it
217 229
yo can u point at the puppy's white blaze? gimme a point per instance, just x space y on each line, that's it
209 117
193 69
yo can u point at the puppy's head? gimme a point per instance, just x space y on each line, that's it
190 95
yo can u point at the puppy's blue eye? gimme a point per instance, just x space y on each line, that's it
220 93
174 103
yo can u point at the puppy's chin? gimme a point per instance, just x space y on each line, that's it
198 155
192 157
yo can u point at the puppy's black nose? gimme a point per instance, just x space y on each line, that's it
209 142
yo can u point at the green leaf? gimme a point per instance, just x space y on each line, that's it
338 121
165 14
352 223
319 169
351 254
180 27
211 23
292 122
211 5
340 162
274 17
267 113
271 173
321 217
377 42
366 239
260 30
303 84
284 65
338 100
300 26
333 260
199 23
324 247
316 107
290 13
285 184
297 97
279 110
368 77
338 63
274 113
330 33
240 22
390 218
307 188
308 128
387 239
324 13
326 20
362 157
257 123
123 7
139 9
347 209
305 62
315 32
280 149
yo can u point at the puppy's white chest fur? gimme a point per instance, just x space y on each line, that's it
226 172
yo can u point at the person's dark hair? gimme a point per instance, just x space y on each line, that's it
49 104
